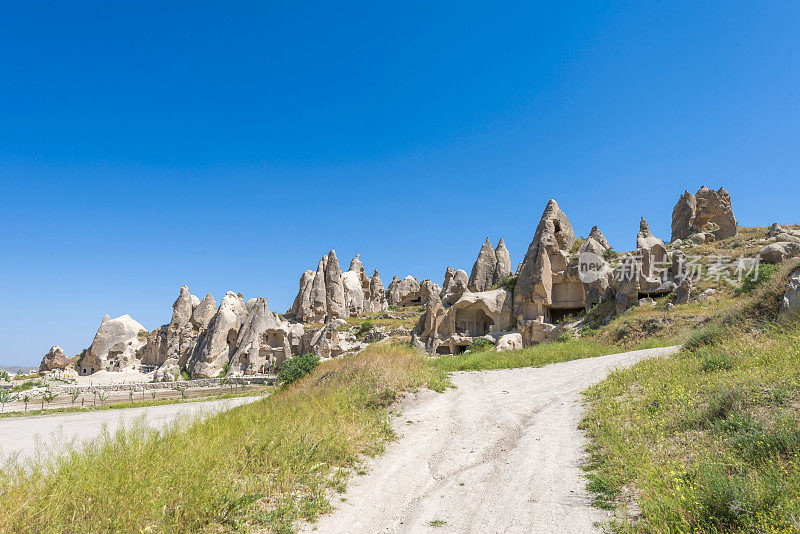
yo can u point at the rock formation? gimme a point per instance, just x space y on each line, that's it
377 294
791 298
502 268
405 292
648 272
778 252
328 293
214 349
545 292
707 212
264 341
483 271
334 288
177 340
454 285
115 346
54 359
450 330
491 266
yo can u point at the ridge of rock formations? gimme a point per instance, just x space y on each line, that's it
558 279
328 293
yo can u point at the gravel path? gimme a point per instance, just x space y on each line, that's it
20 435
500 453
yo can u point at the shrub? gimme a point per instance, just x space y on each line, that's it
364 329
564 336
512 324
296 368
508 283
758 278
711 335
479 345
610 254
716 361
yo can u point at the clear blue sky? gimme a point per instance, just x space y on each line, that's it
229 147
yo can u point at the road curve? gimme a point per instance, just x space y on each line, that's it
22 435
499 453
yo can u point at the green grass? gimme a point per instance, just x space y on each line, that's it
257 467
535 356
707 440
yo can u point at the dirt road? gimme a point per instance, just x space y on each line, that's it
500 453
20 435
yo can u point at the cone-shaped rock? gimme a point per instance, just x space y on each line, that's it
503 262
319 306
334 289
552 240
204 311
482 275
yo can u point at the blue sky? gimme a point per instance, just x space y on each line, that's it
229 147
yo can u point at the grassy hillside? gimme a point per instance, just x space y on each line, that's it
707 440
264 465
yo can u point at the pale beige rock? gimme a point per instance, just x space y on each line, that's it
542 281
778 252
427 290
354 298
791 298
334 289
510 341
405 292
54 359
264 341
708 211
115 346
318 297
215 348
483 270
684 291
377 298
502 268
204 312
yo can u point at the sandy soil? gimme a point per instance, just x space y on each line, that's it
22 435
500 453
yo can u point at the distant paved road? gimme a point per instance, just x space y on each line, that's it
21 434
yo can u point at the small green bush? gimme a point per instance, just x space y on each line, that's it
710 335
508 283
564 336
479 345
716 361
364 329
758 278
610 254
296 368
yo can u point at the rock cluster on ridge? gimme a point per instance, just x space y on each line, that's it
327 293
707 212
